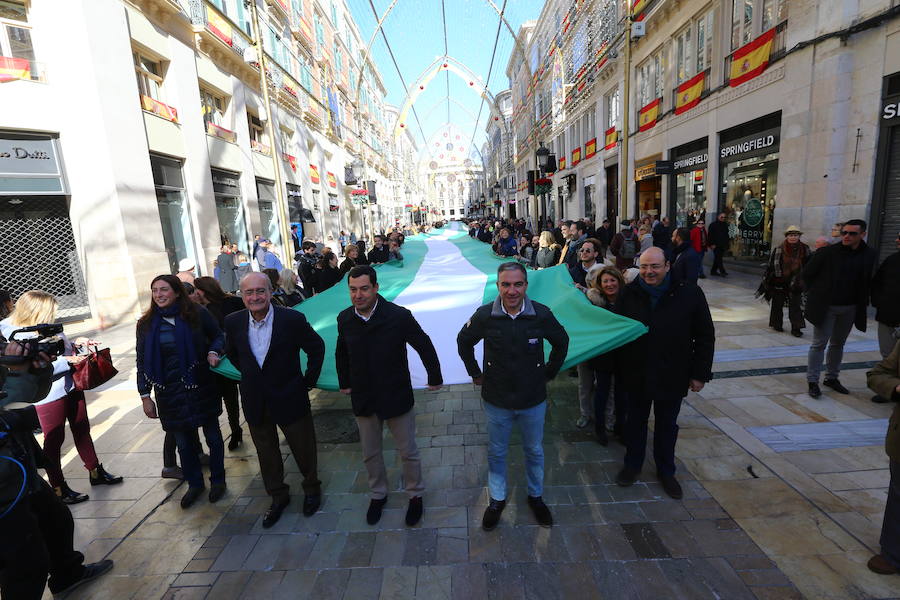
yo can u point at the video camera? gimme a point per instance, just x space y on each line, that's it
35 339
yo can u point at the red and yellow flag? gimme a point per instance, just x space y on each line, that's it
291 160
751 60
332 181
611 138
687 96
562 163
590 148
649 115
12 69
576 156
314 174
638 6
219 26
159 109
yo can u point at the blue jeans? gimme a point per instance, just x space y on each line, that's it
702 255
190 462
531 427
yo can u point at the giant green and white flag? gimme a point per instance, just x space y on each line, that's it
444 276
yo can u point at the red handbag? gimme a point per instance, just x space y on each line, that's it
95 370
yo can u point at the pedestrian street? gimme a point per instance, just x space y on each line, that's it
772 508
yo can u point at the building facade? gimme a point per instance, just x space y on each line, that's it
799 131
134 135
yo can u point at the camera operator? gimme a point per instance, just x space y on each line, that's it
36 528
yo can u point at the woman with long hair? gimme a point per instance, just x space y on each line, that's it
287 282
326 273
62 403
352 254
219 304
605 288
548 251
177 342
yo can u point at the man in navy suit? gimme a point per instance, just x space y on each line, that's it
264 344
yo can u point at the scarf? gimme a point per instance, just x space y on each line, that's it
184 342
791 259
655 292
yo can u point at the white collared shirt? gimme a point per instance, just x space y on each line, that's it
259 335
366 319
511 316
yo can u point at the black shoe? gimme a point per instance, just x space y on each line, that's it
274 513
91 571
414 512
626 477
723 274
702 276
880 399
602 438
779 329
236 440
492 514
311 504
69 496
216 492
672 487
172 473
204 459
376 505
100 476
814 390
836 386
540 510
796 333
191 496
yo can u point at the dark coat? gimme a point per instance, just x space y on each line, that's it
325 278
883 379
371 359
821 274
180 407
578 274
485 236
515 373
662 236
615 247
572 257
886 291
685 263
547 256
279 385
227 271
679 345
379 255
717 234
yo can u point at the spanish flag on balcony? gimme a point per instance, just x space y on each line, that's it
649 115
637 7
751 60
12 69
314 174
590 149
332 181
610 139
687 96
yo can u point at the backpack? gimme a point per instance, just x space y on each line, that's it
627 251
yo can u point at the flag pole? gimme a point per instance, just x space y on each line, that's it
626 105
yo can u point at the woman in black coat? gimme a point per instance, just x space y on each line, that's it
177 342
219 304
326 273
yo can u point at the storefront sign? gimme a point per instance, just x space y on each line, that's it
30 166
664 167
753 212
890 111
691 162
761 143
645 172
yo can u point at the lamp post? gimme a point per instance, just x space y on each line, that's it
358 168
481 206
542 156
496 188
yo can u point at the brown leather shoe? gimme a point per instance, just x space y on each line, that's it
881 565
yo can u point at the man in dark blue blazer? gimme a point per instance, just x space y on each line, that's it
264 344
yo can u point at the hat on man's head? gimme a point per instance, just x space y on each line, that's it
793 229
186 264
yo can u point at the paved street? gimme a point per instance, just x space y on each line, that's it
783 497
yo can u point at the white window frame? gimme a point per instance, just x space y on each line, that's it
692 47
214 106
150 84
258 131
651 74
6 48
613 108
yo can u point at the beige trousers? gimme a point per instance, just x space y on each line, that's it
403 428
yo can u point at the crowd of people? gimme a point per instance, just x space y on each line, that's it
193 322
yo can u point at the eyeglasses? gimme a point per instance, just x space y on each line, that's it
850 233
586 250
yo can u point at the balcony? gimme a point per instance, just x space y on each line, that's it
21 69
303 32
692 101
260 148
778 51
160 109
224 42
220 132
281 6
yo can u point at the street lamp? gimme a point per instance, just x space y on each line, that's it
358 167
496 188
481 206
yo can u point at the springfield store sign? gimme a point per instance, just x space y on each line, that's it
753 145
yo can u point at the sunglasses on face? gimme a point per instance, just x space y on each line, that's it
850 233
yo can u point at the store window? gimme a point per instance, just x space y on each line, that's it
230 209
149 75
749 172
15 37
268 219
173 213
689 165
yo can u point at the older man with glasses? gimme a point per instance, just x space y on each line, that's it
674 356
837 279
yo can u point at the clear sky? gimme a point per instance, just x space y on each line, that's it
415 32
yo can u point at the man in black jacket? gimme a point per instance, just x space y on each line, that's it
662 234
264 344
306 265
685 260
372 368
717 241
675 355
837 279
514 382
886 300
36 528
379 252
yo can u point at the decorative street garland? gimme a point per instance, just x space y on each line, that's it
544 185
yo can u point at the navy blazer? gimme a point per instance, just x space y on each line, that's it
279 386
